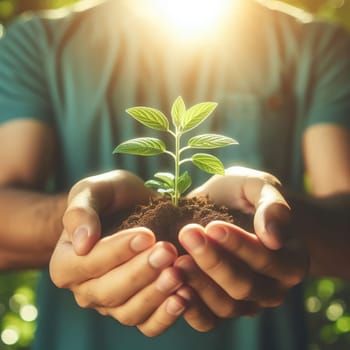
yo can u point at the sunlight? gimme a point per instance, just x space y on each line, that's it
191 17
9 336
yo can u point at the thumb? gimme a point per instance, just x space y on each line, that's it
81 220
272 217
82 224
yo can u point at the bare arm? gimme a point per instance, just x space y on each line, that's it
30 220
325 218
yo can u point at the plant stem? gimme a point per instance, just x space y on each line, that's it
177 167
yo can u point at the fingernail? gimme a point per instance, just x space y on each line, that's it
218 234
160 258
80 236
167 284
193 241
174 308
141 242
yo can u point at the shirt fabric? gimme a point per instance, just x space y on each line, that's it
273 74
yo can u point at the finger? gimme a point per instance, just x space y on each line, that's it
96 196
123 282
197 314
285 265
139 308
83 228
202 319
272 217
239 188
236 278
164 317
252 191
217 300
67 268
272 212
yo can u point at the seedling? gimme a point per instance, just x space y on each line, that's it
183 120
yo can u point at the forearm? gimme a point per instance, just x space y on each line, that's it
30 224
324 224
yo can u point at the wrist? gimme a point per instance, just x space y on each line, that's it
57 206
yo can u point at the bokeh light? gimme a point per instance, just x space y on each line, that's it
328 334
335 310
28 313
325 288
343 324
313 304
7 8
9 336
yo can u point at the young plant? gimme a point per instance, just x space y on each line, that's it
183 120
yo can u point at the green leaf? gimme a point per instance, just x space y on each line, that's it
167 178
143 146
154 184
151 117
209 141
177 111
167 190
184 182
208 163
197 114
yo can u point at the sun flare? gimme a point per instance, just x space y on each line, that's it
191 17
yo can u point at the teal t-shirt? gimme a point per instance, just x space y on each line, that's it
273 75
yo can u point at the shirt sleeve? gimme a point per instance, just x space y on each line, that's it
23 86
330 80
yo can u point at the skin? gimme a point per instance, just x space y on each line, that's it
285 248
31 221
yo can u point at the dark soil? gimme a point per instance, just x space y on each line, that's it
166 220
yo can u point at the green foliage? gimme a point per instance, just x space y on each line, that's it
183 120
18 312
327 301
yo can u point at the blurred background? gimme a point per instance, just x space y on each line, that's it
327 301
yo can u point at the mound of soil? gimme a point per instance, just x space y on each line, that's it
166 220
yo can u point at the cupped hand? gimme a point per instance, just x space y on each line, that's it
235 272
125 275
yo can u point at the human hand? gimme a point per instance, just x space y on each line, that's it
125 275
235 272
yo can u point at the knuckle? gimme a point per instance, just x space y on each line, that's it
75 214
297 274
275 301
293 279
227 311
76 188
204 327
149 332
60 282
104 300
88 270
264 265
82 301
236 243
125 318
243 292
59 279
103 311
213 265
